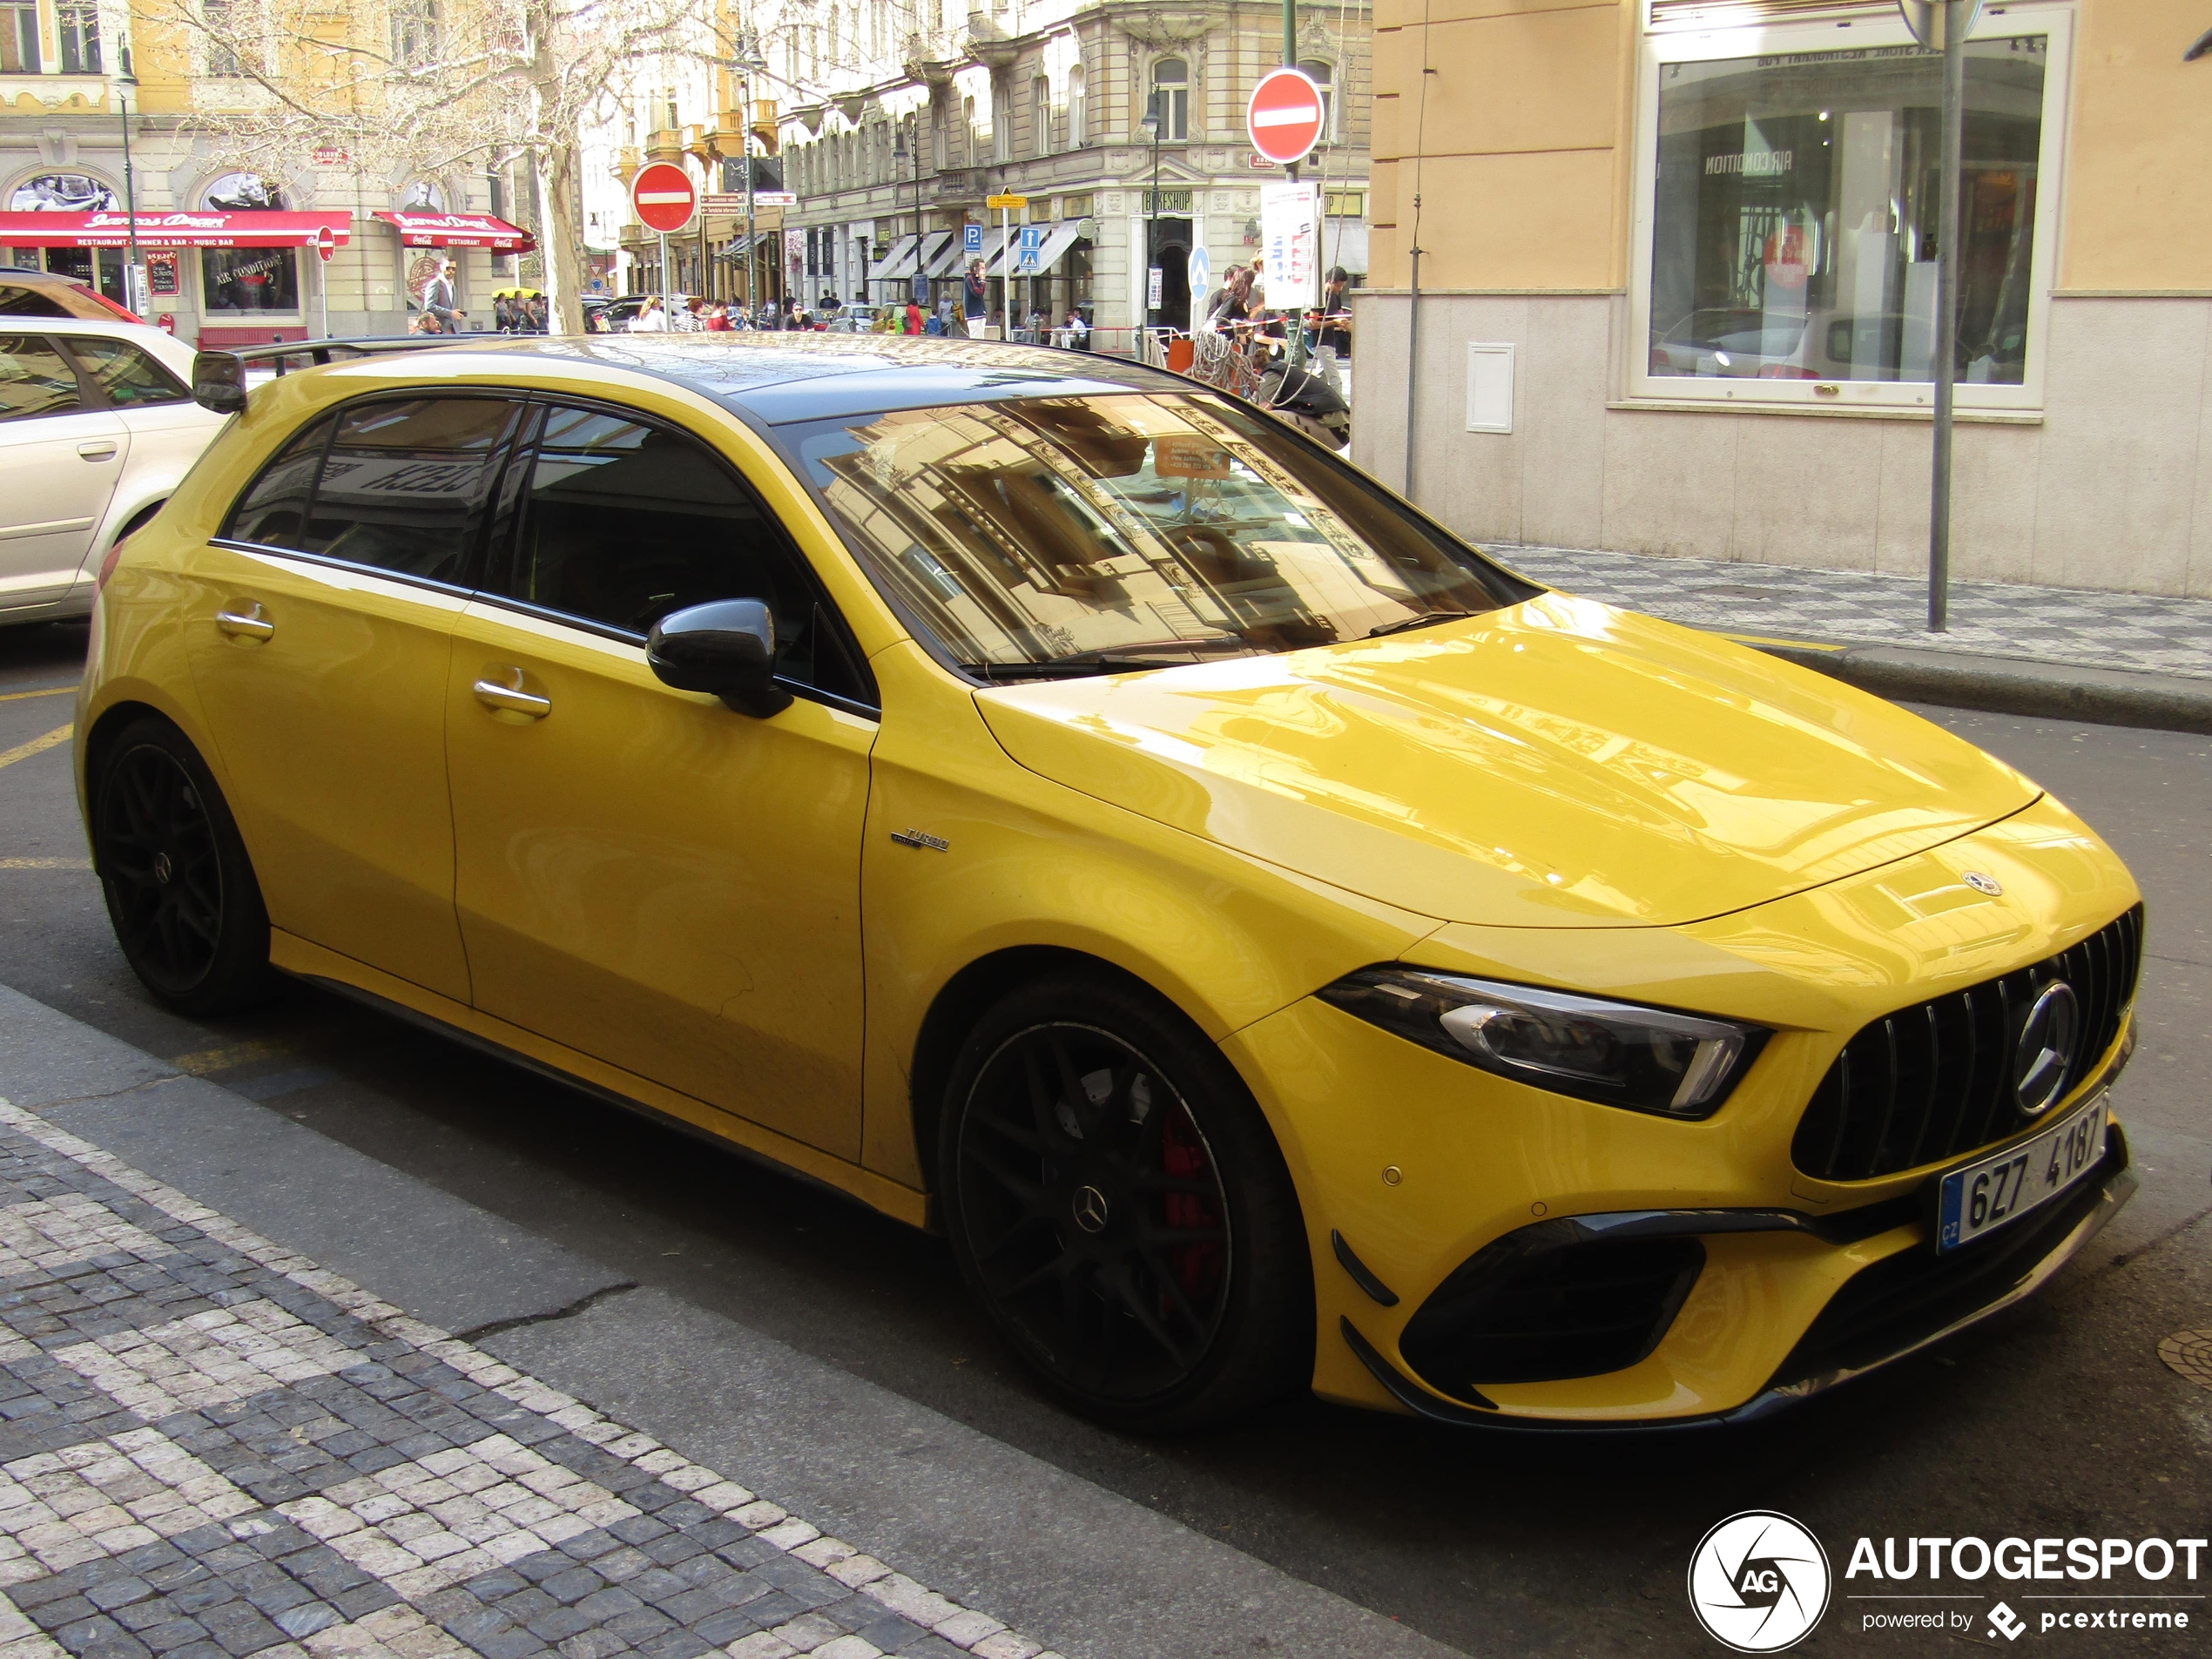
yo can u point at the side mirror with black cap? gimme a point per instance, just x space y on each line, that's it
726 647
218 381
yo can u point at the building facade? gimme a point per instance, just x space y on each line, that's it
1658 276
895 123
230 253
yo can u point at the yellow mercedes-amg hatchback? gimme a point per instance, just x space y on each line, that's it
1059 805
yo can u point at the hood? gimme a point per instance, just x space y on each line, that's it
1556 763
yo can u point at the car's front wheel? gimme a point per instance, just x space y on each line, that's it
179 889
1116 1201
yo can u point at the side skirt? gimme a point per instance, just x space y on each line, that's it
296 956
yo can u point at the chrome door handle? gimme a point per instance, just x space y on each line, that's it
98 449
245 625
512 698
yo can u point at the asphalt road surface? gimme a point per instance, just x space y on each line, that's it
2056 1419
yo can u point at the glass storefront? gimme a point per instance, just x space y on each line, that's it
1796 214
249 279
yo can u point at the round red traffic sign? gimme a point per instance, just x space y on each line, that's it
325 244
664 196
1284 117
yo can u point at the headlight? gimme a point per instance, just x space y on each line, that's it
1616 1054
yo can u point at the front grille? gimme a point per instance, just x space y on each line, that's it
1531 1307
1933 1081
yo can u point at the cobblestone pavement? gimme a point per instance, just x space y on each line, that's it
210 1448
2087 627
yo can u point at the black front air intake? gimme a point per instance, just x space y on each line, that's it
1546 1302
1933 1081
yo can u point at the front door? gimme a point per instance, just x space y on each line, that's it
319 639
644 876
62 453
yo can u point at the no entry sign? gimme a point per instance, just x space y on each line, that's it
1283 118
664 196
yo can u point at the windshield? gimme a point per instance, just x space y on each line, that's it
1100 534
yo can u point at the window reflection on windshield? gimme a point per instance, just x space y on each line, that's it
1128 531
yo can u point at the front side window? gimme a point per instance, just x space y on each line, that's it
126 376
34 378
622 522
1795 215
1090 535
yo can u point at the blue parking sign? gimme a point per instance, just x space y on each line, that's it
971 239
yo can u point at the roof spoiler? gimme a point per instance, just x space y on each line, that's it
219 377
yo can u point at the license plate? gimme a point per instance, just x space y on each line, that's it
2005 1186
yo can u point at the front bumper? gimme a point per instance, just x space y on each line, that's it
1901 1305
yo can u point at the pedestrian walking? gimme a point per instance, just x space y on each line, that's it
440 298
653 319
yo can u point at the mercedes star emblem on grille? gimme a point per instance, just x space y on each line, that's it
2045 1053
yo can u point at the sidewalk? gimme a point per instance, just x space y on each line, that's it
213 1447
2129 658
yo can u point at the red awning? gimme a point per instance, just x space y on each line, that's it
459 230
209 228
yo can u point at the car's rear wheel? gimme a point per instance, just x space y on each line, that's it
179 887
1116 1201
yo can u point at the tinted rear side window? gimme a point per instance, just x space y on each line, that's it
624 523
34 378
273 513
405 485
18 302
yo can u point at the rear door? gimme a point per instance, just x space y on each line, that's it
319 636
61 452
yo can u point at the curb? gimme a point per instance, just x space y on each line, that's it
2006 685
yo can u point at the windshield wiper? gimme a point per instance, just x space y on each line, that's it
1427 620
1065 667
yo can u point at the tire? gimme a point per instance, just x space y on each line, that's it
180 890
1117 1204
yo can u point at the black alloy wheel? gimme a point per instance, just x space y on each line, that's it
180 891
1117 1203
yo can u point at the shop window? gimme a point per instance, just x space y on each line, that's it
1170 87
1796 220
1322 75
19 36
64 193
249 281
77 22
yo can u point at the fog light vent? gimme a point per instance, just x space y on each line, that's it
1546 1302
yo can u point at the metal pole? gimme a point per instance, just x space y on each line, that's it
751 252
1947 331
1152 216
664 272
129 187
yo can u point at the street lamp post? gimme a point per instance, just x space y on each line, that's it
898 165
124 83
1151 125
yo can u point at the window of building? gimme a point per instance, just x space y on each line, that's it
967 130
1170 85
235 193
414 32
19 36
222 44
250 280
424 195
1323 74
1792 214
1039 116
78 22
1078 109
64 193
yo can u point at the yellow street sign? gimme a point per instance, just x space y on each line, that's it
1011 204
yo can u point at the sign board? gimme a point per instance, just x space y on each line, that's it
724 202
1925 18
1201 282
971 241
325 244
664 196
1288 239
1030 251
918 287
1260 164
1011 204
1152 289
1284 117
329 155
161 275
